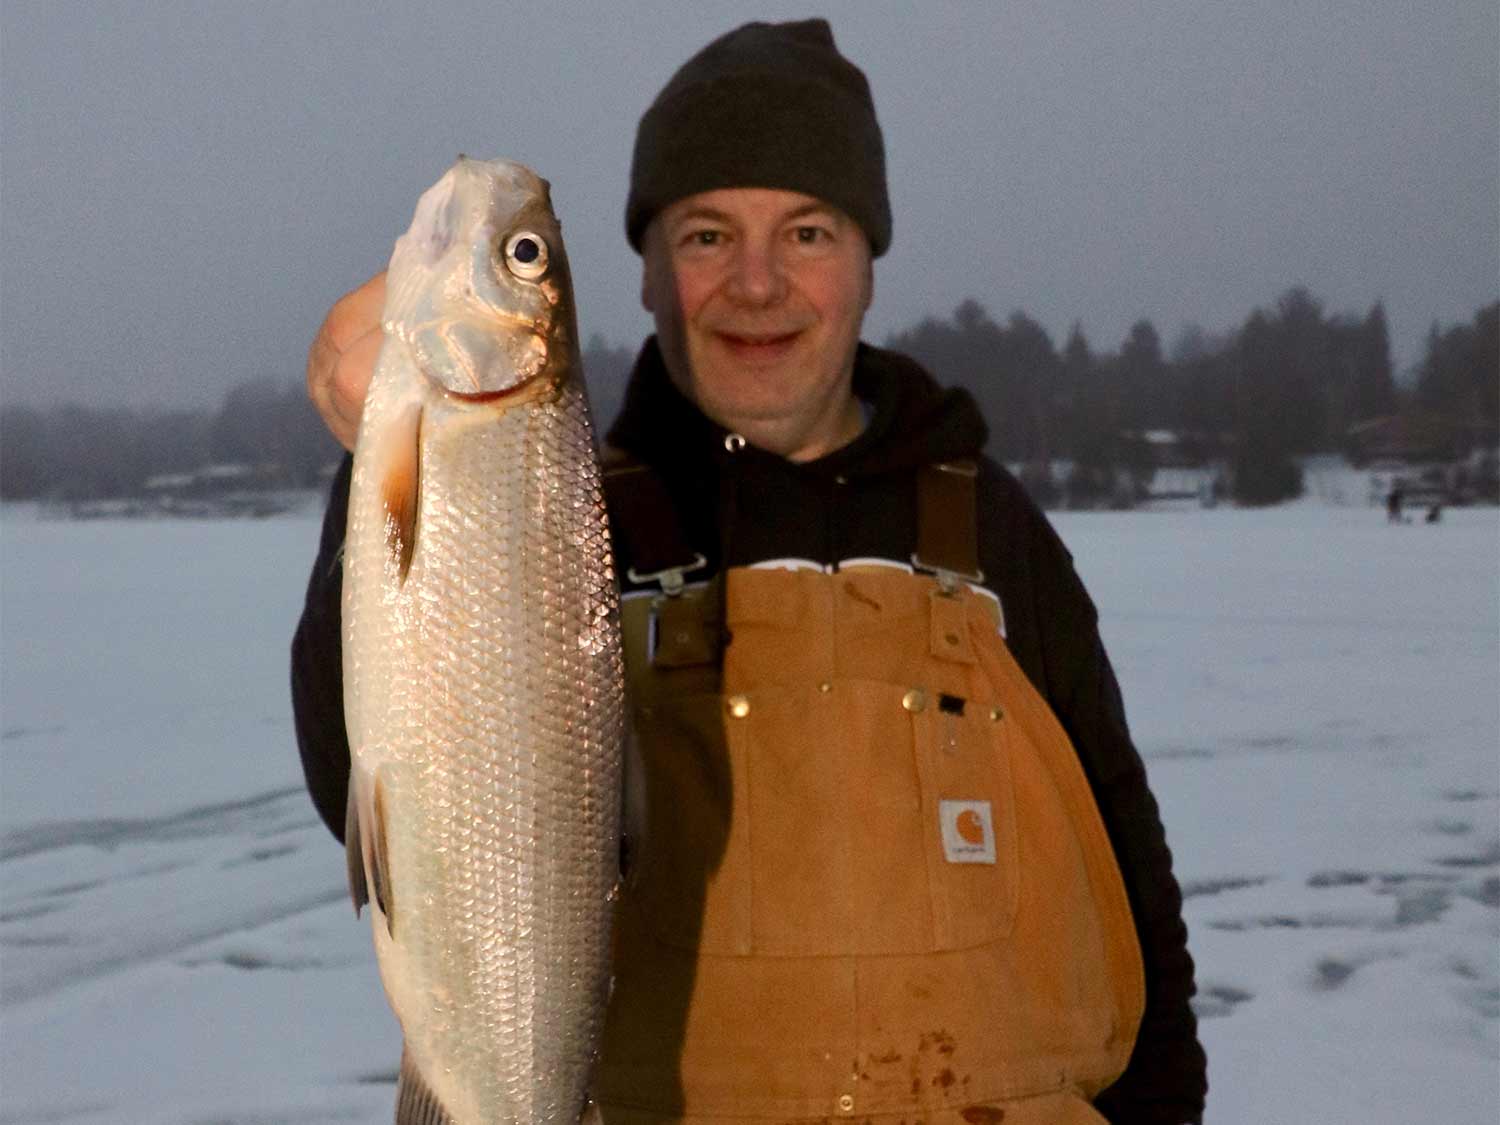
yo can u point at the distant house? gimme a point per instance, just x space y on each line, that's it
1432 458
1168 467
1152 467
1176 449
216 490
1414 438
218 480
1165 447
167 484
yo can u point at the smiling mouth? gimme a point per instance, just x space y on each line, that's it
759 346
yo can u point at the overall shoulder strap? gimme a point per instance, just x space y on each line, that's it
947 521
677 628
649 540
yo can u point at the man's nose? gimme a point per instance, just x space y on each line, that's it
757 277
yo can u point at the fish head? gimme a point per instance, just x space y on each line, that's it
478 289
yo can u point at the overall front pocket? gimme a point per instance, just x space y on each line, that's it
839 819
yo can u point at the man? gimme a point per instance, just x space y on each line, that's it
899 857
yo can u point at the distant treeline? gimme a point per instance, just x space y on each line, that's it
77 452
1290 381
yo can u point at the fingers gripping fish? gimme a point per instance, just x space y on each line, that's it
483 680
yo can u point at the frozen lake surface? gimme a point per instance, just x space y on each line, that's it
1315 693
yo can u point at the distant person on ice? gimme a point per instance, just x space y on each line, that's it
1393 501
899 858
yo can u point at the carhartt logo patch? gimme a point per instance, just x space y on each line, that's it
968 831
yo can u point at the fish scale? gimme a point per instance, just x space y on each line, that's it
482 669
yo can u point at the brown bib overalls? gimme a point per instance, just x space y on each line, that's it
873 882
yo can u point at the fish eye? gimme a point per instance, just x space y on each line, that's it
526 255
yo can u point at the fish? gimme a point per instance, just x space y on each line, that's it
482 664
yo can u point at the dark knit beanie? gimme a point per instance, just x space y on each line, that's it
767 105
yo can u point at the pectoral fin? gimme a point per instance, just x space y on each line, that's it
367 850
354 853
381 862
400 487
416 1104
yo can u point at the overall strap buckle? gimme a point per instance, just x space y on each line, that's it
670 579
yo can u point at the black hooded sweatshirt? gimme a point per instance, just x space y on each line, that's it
737 505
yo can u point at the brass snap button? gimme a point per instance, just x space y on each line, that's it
996 714
846 1103
739 706
914 700
825 687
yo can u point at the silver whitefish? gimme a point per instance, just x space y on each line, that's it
482 668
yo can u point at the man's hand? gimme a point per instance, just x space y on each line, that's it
342 358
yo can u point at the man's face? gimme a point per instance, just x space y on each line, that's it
758 296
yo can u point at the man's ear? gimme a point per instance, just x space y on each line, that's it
650 262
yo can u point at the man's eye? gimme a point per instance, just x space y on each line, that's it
810 235
703 238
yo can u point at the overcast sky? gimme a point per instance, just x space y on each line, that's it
185 187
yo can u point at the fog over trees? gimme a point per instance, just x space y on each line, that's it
1291 380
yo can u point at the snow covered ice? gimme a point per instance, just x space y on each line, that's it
1315 693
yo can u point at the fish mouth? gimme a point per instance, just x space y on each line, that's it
482 398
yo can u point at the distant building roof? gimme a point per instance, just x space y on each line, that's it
1414 436
224 472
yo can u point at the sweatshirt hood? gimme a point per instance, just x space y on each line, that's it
663 428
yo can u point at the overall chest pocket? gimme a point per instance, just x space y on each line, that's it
853 817
963 754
